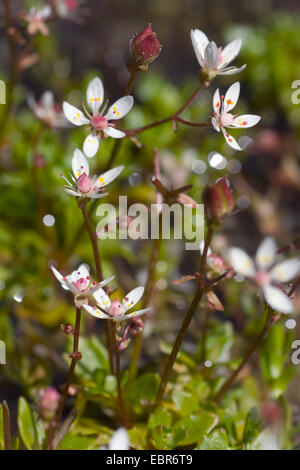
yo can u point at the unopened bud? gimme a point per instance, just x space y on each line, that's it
144 47
48 402
67 329
218 200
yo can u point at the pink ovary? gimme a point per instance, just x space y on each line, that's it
115 308
226 119
84 183
99 122
262 278
81 284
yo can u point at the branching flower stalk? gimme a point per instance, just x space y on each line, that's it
75 356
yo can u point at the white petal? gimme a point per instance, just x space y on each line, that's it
231 140
95 94
241 262
108 176
91 145
138 313
79 273
285 271
120 108
106 281
102 299
215 125
59 277
79 164
74 115
199 41
133 297
211 55
277 299
231 97
119 440
266 253
47 99
231 70
217 101
246 120
230 52
115 133
94 195
96 312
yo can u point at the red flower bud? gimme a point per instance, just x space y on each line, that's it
218 200
144 47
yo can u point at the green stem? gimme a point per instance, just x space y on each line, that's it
187 320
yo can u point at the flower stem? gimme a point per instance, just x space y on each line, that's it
173 117
6 426
75 357
248 356
122 406
97 259
187 320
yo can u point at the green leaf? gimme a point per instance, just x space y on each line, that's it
252 426
78 442
137 436
142 391
219 341
193 428
217 440
26 424
185 402
94 357
160 417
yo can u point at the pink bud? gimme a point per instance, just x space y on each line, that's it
144 47
115 308
84 183
218 200
48 402
81 284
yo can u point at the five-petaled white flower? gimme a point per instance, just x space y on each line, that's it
266 273
116 310
79 282
84 186
47 110
36 20
222 118
99 123
215 60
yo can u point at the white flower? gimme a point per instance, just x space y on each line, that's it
99 123
119 440
84 186
68 9
222 118
213 59
266 273
47 110
79 282
116 310
36 20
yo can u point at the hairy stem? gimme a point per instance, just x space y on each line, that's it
75 358
187 320
122 406
97 259
6 426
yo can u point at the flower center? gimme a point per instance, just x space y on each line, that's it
84 183
99 122
226 119
220 57
262 278
116 308
81 284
